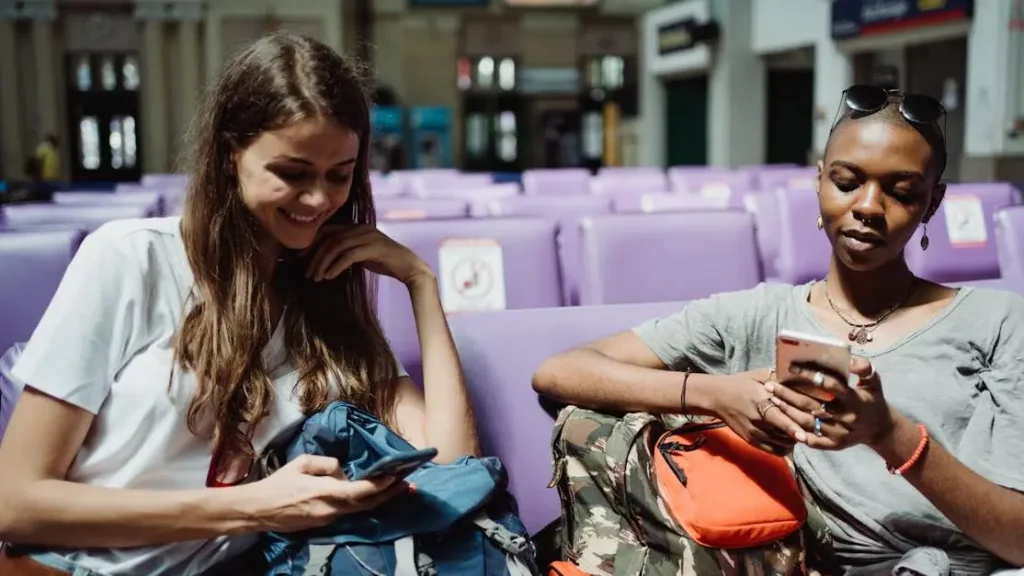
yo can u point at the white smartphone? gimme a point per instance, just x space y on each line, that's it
795 348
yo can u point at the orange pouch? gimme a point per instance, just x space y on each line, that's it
563 568
724 492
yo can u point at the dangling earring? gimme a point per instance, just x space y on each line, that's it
820 223
924 238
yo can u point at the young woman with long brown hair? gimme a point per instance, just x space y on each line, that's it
177 349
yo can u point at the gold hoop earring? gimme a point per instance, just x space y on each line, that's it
820 223
924 238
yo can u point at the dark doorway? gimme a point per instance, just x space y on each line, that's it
686 114
790 123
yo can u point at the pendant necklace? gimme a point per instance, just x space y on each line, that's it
863 332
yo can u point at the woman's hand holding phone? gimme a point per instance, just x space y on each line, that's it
311 491
857 413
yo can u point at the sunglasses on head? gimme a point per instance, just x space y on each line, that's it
916 108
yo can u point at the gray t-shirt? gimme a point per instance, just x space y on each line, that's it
961 374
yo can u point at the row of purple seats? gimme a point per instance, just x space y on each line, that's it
88 217
33 262
796 252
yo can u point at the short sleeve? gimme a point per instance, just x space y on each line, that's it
80 344
702 336
996 440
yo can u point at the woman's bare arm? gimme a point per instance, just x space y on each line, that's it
38 506
622 374
442 415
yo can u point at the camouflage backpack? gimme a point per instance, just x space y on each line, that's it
615 524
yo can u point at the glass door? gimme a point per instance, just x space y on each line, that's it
103 106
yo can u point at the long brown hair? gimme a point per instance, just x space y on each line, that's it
331 329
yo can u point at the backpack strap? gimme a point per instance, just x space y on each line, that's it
319 562
507 540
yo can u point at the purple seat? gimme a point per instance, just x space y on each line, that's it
765 208
615 183
402 208
165 180
709 182
1015 285
89 217
33 263
529 259
649 202
962 237
1009 229
10 389
635 258
804 251
500 351
796 178
152 200
429 184
556 181
567 211
476 194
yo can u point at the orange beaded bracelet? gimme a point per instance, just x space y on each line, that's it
918 452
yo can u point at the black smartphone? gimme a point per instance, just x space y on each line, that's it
398 465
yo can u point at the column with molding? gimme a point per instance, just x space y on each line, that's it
188 14
155 152
11 152
43 14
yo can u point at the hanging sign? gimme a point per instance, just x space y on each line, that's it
965 221
472 275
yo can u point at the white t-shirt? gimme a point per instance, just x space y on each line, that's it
105 345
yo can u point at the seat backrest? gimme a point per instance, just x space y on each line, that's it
405 208
709 183
961 234
765 208
32 263
89 217
635 258
153 200
1009 230
804 250
567 211
615 183
476 194
431 183
648 202
797 178
556 181
500 351
500 263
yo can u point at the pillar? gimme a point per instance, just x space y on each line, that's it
993 147
46 71
188 15
736 90
13 156
155 153
833 73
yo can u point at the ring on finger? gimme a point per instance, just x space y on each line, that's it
818 379
763 405
817 427
822 412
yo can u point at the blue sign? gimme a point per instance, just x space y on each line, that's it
431 145
856 18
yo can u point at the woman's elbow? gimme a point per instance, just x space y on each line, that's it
11 529
552 373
